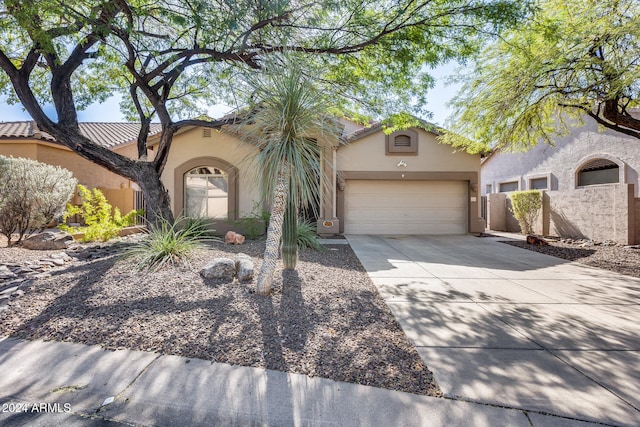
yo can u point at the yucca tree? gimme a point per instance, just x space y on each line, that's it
288 118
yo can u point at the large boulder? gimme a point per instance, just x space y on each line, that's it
219 269
244 267
48 240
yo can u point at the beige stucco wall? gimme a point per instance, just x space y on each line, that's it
116 188
367 158
368 153
603 212
497 212
221 145
88 173
561 162
599 212
25 149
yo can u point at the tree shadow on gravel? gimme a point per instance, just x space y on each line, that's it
285 324
293 311
122 323
66 304
326 319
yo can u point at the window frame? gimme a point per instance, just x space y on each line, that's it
622 178
517 181
213 162
223 174
534 177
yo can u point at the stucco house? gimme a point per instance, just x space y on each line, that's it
402 183
24 139
590 181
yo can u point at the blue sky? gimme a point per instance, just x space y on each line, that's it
109 111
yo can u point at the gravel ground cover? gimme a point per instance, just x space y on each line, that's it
325 319
619 258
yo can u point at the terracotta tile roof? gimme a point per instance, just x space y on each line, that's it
377 126
108 135
16 129
373 127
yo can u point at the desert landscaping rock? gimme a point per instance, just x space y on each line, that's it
244 267
48 240
325 319
16 276
220 269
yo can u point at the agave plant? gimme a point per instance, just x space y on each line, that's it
287 120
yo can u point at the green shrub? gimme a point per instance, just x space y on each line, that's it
525 206
307 235
169 243
96 213
253 224
32 195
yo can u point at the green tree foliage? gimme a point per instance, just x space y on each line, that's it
525 206
33 194
252 223
573 59
101 221
168 58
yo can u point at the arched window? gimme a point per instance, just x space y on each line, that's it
598 171
206 193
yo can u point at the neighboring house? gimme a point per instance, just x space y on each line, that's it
590 180
24 139
403 183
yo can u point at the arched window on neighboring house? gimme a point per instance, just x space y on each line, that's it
598 171
206 193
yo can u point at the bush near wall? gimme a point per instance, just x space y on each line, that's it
32 195
100 224
526 206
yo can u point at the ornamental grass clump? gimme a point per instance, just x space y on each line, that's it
169 243
525 206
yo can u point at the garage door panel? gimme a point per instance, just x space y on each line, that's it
405 207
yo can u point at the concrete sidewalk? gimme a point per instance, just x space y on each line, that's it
89 386
506 326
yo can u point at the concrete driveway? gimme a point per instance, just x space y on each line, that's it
510 327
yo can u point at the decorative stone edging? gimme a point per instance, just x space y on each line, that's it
15 277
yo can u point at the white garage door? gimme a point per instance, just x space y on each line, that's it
405 207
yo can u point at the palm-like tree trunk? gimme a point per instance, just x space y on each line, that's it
274 231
